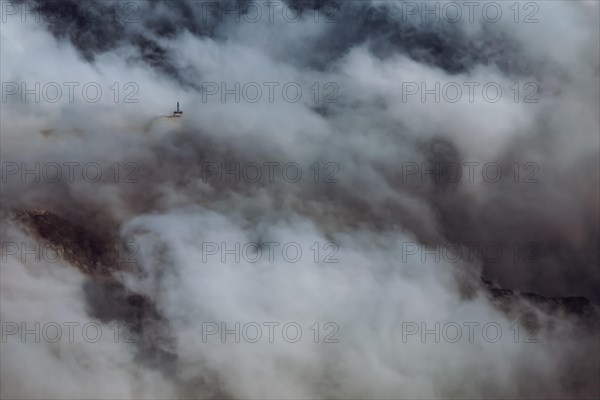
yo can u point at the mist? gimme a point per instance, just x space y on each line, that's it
302 230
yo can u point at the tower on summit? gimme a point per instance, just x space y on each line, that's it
177 113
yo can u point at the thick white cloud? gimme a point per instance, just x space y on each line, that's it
371 214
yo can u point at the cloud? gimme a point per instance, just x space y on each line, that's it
375 133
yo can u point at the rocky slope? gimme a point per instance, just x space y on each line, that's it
107 298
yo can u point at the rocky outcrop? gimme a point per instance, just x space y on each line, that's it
92 255
529 308
107 298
